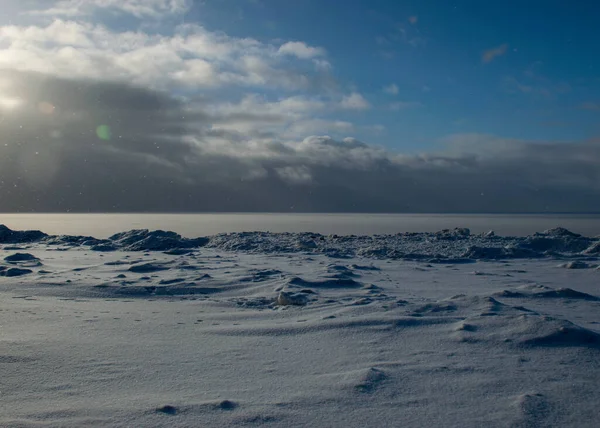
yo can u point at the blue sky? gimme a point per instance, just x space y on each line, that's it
306 105
544 87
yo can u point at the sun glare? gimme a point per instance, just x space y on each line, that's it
10 103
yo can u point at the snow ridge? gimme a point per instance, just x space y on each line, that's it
457 245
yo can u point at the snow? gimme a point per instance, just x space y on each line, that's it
300 330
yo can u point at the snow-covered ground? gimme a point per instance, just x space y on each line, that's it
438 329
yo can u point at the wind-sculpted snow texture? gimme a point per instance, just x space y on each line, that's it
442 329
447 245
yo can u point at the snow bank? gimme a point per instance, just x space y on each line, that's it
446 245
8 236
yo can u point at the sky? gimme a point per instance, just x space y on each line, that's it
305 105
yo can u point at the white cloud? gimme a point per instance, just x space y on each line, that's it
289 118
391 89
252 128
347 153
312 126
300 104
192 56
355 101
490 54
322 64
137 8
255 105
301 50
295 174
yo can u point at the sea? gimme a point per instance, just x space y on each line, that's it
194 225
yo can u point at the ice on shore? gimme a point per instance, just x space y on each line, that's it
454 244
423 329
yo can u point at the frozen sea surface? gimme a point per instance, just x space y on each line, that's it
192 225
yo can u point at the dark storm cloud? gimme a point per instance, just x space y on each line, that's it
164 154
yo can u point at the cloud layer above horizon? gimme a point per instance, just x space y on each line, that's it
94 118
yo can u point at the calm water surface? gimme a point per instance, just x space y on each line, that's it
193 225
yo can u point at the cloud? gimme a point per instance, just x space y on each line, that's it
191 57
490 54
322 64
537 86
137 8
308 126
354 101
95 119
188 155
301 50
158 145
391 89
293 117
295 174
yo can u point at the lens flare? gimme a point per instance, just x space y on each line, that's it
103 132
46 108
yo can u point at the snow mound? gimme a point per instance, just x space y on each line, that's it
21 257
542 292
553 244
260 275
365 267
103 247
340 272
158 240
496 253
533 410
12 272
560 333
292 299
560 231
72 241
226 405
8 236
370 380
148 267
593 249
434 308
327 283
457 233
151 291
504 324
168 409
577 264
